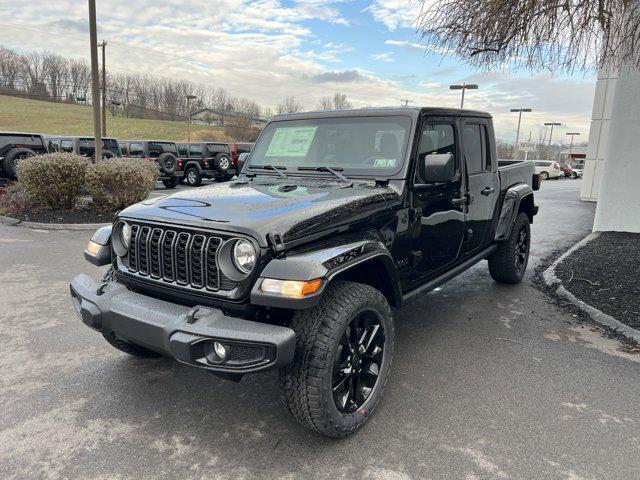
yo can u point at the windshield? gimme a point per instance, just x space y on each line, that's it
357 145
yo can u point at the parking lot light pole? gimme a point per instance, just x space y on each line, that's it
463 87
552 124
572 134
520 111
189 98
95 80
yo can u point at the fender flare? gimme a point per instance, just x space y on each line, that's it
517 195
191 163
326 262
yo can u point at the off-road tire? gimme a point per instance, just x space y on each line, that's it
170 182
502 263
306 384
222 163
11 158
126 347
192 177
168 163
544 175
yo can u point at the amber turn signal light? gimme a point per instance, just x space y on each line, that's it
291 288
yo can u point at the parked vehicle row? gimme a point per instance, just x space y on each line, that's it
190 162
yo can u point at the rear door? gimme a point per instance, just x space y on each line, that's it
483 183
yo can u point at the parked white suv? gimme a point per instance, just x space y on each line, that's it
547 169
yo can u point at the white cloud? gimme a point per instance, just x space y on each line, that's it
383 57
406 44
395 13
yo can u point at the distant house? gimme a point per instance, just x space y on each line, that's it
574 156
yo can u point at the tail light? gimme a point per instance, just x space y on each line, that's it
179 164
234 154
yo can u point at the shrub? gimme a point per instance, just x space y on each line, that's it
55 179
117 183
14 199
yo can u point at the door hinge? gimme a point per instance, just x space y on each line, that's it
275 242
416 257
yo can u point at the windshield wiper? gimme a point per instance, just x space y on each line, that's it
276 168
333 170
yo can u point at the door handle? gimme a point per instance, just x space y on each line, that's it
488 191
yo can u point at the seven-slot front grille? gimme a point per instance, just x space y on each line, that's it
185 258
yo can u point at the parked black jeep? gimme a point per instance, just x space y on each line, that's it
165 154
205 160
15 147
85 146
335 218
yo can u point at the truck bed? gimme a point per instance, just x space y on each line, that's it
512 172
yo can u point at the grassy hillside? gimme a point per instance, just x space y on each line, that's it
23 115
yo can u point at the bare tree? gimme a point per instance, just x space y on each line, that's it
11 68
549 34
289 104
326 103
56 71
340 101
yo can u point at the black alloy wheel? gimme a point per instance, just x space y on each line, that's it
522 249
357 362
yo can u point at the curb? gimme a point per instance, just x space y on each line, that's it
78 227
551 280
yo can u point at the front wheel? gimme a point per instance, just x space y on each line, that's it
544 175
344 348
192 177
170 182
509 262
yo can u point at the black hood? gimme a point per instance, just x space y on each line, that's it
292 207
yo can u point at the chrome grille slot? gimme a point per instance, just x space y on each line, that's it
133 252
143 250
155 267
213 274
168 244
169 255
196 255
182 258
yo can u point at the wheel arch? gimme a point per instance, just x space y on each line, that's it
518 198
364 261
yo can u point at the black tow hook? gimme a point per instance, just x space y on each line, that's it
101 288
191 316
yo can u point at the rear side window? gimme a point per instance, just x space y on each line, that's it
158 148
66 146
195 150
136 149
54 145
475 148
217 148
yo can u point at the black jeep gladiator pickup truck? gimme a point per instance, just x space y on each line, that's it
205 160
16 146
335 218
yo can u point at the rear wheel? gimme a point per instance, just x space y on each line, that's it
544 175
509 263
171 182
12 158
192 177
344 348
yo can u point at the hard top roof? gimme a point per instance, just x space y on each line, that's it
413 112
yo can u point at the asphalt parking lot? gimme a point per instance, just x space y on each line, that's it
488 381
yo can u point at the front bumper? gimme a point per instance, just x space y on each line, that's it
182 332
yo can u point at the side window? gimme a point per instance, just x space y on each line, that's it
54 145
434 138
474 149
66 146
136 149
195 150
182 150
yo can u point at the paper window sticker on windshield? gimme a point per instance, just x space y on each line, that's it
291 141
384 162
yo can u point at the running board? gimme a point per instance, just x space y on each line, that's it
445 277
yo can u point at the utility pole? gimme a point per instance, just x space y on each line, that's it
189 98
95 80
406 101
572 134
552 124
104 90
463 87
519 110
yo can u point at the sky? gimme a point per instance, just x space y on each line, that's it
265 49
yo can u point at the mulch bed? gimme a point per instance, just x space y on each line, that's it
66 216
605 274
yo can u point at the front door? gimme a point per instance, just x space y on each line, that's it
438 229
483 184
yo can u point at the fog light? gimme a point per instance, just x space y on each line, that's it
220 349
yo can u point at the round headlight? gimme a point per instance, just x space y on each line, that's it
244 256
120 238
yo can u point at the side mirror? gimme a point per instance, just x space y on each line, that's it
439 168
241 161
